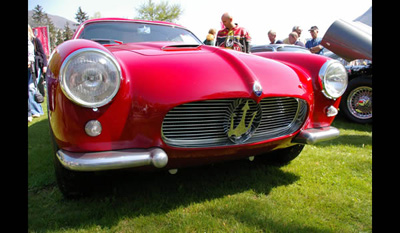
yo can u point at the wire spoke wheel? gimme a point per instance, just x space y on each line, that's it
359 102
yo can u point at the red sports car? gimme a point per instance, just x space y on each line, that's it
149 95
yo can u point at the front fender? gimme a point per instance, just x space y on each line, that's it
309 65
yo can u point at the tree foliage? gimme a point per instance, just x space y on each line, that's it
81 16
68 33
159 12
38 16
41 19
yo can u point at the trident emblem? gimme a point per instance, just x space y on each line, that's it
241 128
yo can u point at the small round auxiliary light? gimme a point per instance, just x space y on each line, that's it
93 128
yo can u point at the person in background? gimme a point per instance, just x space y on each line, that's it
314 44
233 36
293 39
210 39
40 63
34 108
272 37
31 60
298 30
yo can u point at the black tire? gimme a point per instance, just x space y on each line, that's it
356 102
281 157
72 184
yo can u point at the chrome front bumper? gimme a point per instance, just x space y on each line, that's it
314 135
109 160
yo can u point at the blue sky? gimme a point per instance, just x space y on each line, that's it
257 16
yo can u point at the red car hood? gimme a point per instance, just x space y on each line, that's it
155 48
188 73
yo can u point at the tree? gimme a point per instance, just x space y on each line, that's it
59 37
52 31
81 16
159 12
68 33
41 19
38 16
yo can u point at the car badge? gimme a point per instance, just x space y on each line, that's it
257 88
243 132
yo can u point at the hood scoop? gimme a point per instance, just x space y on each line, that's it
181 47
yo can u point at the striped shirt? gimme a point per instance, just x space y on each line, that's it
236 38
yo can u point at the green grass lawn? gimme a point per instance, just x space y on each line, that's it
328 188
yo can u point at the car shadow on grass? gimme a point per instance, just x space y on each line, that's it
125 194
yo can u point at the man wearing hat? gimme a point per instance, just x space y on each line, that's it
314 44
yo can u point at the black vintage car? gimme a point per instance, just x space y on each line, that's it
351 41
356 103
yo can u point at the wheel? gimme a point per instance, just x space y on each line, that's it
356 103
282 156
71 184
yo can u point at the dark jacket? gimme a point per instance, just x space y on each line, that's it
40 55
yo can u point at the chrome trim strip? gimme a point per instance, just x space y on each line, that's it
314 135
109 160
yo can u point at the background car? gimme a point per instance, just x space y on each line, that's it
140 95
356 103
279 48
352 41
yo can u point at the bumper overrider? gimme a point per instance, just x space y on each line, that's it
157 157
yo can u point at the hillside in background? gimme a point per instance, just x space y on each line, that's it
58 21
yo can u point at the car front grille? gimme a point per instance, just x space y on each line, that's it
213 123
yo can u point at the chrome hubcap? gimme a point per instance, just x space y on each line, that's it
359 102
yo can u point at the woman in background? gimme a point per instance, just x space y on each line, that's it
34 108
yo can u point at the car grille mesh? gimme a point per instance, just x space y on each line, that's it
206 123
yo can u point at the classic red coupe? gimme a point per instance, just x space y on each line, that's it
128 94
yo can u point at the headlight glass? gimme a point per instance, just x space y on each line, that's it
333 77
90 77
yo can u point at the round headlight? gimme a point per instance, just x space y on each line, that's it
333 77
90 77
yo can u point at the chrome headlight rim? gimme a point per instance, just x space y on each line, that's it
68 93
323 78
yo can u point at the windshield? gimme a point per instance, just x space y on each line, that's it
293 49
128 32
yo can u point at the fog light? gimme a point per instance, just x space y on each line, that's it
331 111
93 128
